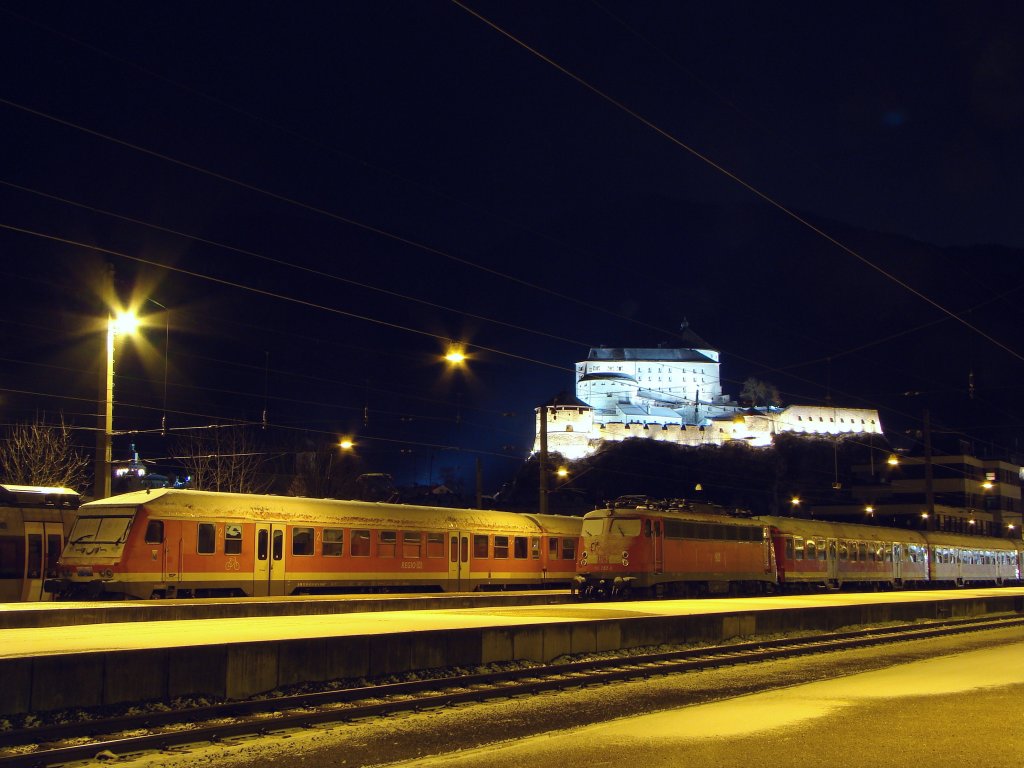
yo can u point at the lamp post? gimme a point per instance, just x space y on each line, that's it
122 323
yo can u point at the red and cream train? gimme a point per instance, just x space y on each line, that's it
645 549
181 543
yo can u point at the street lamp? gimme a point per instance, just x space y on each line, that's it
122 323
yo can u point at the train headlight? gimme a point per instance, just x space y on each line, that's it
584 556
625 562
107 574
625 555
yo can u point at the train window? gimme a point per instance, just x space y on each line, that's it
647 528
535 547
844 551
625 527
454 550
155 532
387 544
519 547
302 541
479 547
862 548
568 548
789 548
809 548
12 557
360 543
465 549
501 547
232 539
592 527
798 548
278 545
334 542
435 545
206 541
552 549
412 544
262 544
888 553
53 542
34 566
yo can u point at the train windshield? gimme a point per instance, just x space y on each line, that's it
621 526
100 530
592 527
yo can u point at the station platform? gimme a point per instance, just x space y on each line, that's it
51 668
68 613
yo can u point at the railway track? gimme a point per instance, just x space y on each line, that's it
164 731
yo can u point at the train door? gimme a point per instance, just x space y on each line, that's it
658 541
832 561
43 544
268 574
458 561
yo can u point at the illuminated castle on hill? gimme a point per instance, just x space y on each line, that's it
675 395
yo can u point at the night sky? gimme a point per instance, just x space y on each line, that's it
324 195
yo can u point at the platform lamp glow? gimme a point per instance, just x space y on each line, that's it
119 324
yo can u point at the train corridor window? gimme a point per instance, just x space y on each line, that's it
553 548
302 541
844 551
334 542
789 548
232 539
822 552
360 543
810 549
501 547
206 541
519 547
479 547
155 532
435 545
277 548
12 557
568 548
535 547
888 553
412 544
798 548
387 544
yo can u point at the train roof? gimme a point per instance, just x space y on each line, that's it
38 495
813 528
699 513
204 505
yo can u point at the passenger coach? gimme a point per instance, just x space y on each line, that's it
33 523
183 543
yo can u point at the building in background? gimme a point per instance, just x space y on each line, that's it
675 395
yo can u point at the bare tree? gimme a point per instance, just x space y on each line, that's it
224 459
757 392
42 453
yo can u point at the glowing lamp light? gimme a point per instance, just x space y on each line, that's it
562 472
345 444
795 501
893 460
924 515
455 356
869 509
124 323
987 485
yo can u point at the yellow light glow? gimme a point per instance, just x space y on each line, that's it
562 472
987 485
125 323
795 500
893 460
345 444
924 515
869 509
456 355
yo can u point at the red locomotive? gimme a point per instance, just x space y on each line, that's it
182 543
684 549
